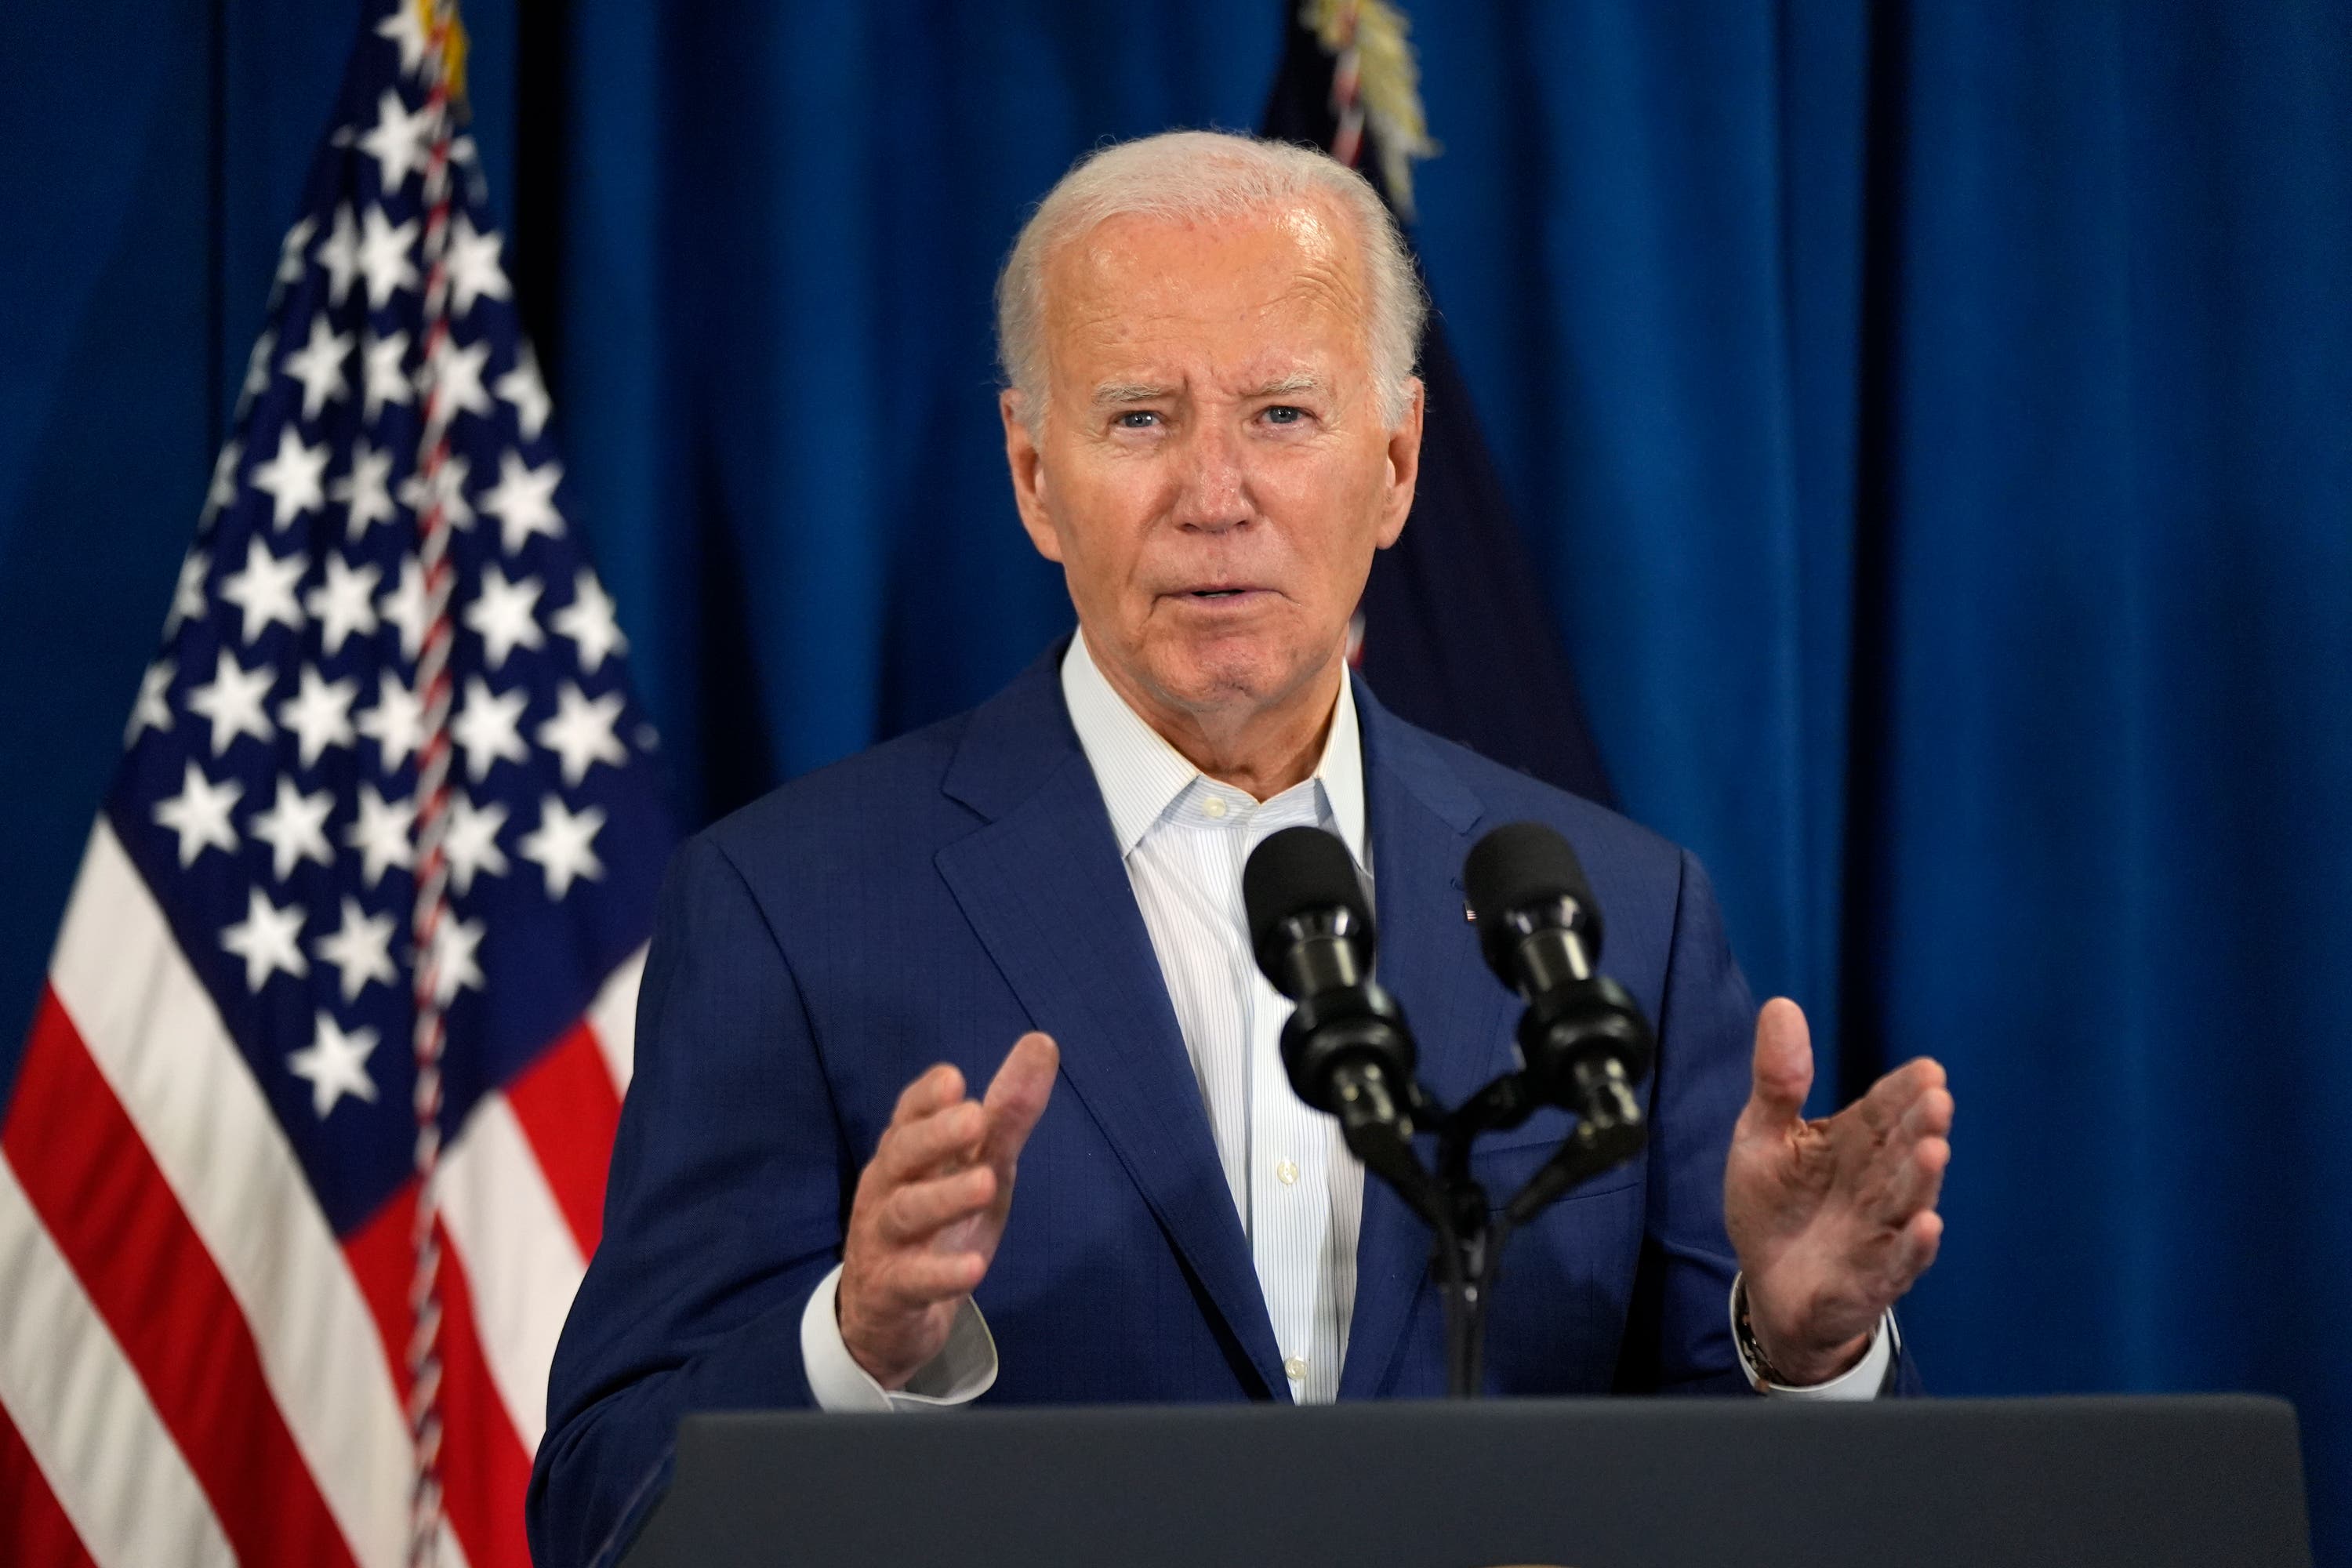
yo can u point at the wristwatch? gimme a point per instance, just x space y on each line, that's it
1762 1373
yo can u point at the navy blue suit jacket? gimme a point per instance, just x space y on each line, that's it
934 897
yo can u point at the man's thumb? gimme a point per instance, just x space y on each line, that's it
1784 1062
1017 1095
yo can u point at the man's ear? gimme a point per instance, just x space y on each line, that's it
1404 468
1027 461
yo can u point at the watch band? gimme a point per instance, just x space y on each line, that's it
1762 1373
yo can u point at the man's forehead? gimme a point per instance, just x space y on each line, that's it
1140 298
1136 255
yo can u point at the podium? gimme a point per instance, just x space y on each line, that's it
1587 1483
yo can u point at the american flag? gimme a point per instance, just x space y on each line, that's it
362 915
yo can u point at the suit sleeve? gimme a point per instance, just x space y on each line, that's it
1679 1335
722 1215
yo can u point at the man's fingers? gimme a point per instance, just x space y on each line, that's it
939 1087
1783 1066
1921 1238
1899 1090
1017 1095
922 1209
1930 1115
1905 1116
1889 1101
911 1148
1915 1182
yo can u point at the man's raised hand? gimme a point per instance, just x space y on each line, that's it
1833 1219
930 1208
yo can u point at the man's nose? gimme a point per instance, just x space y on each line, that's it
1215 495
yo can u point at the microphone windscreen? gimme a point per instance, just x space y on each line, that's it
1298 870
1521 864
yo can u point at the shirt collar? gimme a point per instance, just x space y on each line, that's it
1140 774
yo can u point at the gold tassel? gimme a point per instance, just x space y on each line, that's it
1388 82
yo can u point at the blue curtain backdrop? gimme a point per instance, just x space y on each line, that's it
1933 423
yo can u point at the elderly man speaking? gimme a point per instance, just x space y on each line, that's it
1212 423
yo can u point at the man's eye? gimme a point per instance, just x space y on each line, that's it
1138 419
1284 414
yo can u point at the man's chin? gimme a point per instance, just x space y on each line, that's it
1229 673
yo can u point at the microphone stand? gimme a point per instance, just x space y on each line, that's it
1469 1235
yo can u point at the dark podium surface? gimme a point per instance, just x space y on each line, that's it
1599 1483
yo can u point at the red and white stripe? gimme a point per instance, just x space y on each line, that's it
194 1368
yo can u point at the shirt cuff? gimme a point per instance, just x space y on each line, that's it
1864 1380
964 1368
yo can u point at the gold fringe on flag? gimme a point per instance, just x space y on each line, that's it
1387 85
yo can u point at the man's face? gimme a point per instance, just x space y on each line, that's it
1212 472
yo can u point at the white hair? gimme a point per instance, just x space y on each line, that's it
1199 176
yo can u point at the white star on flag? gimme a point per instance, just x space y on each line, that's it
153 710
404 609
263 589
458 377
344 604
522 387
335 1063
562 845
256 366
450 489
320 715
289 254
588 622
397 141
470 841
580 733
188 594
359 949
293 480
294 828
222 491
199 815
233 701
386 374
318 364
385 258
397 722
366 491
503 614
474 272
454 965
381 834
485 727
338 253
523 500
406 28
266 939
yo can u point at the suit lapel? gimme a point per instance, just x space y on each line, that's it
1420 821
1044 890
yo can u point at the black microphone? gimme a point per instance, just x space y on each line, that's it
1582 1040
1346 1047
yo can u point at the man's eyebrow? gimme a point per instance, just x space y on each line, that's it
1299 382
1114 394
